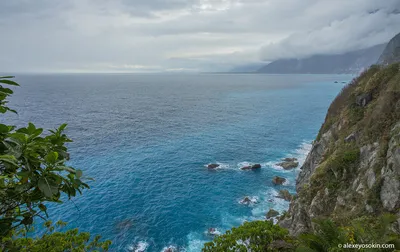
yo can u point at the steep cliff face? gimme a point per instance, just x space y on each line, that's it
353 168
391 54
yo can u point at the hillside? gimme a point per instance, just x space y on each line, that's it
351 62
353 169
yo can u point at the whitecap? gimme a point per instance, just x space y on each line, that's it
300 154
195 242
170 248
139 247
220 167
269 200
253 200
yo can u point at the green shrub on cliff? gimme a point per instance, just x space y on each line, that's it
33 173
256 236
327 236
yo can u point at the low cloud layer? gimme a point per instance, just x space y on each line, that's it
183 35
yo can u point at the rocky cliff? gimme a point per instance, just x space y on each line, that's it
353 168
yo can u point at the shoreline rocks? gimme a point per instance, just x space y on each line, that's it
251 167
212 166
213 232
271 213
247 200
288 163
170 249
278 180
285 194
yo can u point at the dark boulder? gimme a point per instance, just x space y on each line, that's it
212 166
271 213
287 165
251 167
363 99
285 194
247 167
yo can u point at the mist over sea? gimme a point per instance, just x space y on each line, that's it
146 139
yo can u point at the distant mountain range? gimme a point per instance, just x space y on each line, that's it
346 63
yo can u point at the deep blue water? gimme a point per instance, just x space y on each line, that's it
147 138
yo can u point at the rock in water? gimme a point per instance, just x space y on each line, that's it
287 165
272 213
251 167
285 194
248 200
212 166
170 249
248 167
278 180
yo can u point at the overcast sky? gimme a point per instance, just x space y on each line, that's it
183 35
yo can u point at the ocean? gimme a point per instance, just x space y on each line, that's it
146 140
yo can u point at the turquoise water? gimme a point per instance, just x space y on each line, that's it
147 138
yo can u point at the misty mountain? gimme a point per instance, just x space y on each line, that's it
247 68
391 53
346 63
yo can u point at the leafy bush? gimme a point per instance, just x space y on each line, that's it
327 235
33 173
256 236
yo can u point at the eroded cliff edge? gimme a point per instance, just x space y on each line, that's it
353 168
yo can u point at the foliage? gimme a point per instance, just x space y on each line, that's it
328 236
32 173
71 240
253 236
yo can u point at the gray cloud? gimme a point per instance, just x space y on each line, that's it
203 35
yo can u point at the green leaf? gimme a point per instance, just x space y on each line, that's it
4 128
12 83
9 159
7 77
66 168
62 127
52 157
47 187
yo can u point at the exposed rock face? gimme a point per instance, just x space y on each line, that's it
353 168
390 190
363 99
351 137
278 180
